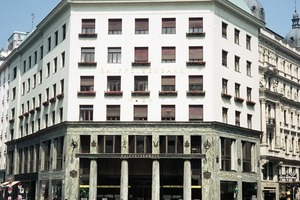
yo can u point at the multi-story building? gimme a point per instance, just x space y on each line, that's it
279 65
137 100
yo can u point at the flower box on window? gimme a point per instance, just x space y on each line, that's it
31 111
26 114
60 96
113 93
21 116
87 35
46 103
141 63
140 93
11 120
168 93
200 63
195 93
87 64
226 96
195 34
250 103
239 99
53 99
38 108
86 93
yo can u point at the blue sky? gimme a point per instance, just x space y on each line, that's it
15 15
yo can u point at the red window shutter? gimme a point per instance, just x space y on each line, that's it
168 80
141 24
196 112
115 24
113 111
169 23
141 54
140 111
168 53
167 111
196 80
196 53
196 23
88 23
86 81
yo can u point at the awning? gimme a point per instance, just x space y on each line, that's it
6 184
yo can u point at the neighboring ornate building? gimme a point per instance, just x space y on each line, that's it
279 64
137 100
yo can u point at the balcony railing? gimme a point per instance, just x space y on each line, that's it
113 93
86 93
195 93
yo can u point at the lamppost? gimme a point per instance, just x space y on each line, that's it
26 192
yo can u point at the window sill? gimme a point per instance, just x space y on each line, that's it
86 93
31 111
87 35
195 34
11 121
60 96
46 103
87 64
113 93
52 100
26 114
38 108
168 93
21 116
140 93
239 99
195 93
226 96
142 64
250 103
201 63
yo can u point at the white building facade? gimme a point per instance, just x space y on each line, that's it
137 99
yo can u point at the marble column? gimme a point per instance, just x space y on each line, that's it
124 180
155 180
187 180
263 121
277 129
93 180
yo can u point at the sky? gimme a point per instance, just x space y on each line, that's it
16 15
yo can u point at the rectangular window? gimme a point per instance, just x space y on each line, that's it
63 59
48 70
113 112
41 52
168 26
168 83
237 118
34 81
59 146
195 112
248 42
140 112
56 38
114 55
24 66
114 83
195 54
46 121
171 144
61 114
168 112
109 144
23 88
64 31
53 117
47 94
237 90
140 144
35 57
115 26
55 65
237 63
54 90
224 58
249 94
195 83
85 143
29 62
195 25
86 112
15 72
168 54
87 83
248 66
88 55
28 85
88 26
224 30
141 55
227 150
249 121
236 36
141 83
62 86
49 44
225 115
247 148
224 86
141 26
14 93
40 100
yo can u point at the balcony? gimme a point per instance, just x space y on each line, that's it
195 93
46 103
250 103
52 100
195 63
87 35
238 99
168 93
11 120
140 93
86 93
226 96
87 64
60 96
141 63
31 111
113 93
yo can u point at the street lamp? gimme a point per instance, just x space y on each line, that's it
26 192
